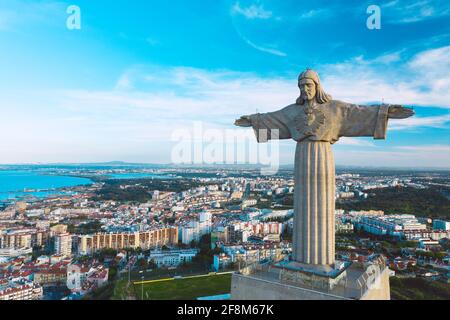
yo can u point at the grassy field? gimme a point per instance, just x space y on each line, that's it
418 289
123 291
185 289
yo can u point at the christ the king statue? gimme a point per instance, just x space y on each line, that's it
316 122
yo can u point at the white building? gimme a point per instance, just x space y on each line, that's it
76 276
83 279
393 225
12 253
172 258
189 234
194 230
63 244
205 222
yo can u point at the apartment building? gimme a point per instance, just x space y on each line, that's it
145 240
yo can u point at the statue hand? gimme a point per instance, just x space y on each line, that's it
400 112
244 121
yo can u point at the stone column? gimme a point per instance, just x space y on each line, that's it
314 204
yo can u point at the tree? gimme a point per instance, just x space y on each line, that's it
440 255
142 263
151 265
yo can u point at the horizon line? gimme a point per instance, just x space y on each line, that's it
216 165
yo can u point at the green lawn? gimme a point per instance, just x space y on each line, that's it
123 291
418 289
185 289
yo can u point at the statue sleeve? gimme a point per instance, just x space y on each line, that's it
270 126
364 121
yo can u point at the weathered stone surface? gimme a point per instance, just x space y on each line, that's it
268 286
316 122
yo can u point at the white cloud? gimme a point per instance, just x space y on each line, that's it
433 66
251 12
136 119
265 49
254 12
422 81
14 14
347 141
429 148
314 13
124 82
411 11
414 122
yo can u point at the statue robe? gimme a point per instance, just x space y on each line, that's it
314 195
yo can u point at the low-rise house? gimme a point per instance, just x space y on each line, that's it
83 279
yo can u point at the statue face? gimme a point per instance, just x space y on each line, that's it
307 89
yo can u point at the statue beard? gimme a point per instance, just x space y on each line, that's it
302 99
321 97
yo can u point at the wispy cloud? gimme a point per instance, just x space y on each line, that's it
415 122
437 156
14 14
347 141
411 11
430 148
264 49
314 13
251 12
152 41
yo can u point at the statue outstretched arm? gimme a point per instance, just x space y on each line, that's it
400 112
243 121
267 126
370 121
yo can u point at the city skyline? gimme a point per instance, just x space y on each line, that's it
116 88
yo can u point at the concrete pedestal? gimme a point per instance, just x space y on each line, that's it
355 283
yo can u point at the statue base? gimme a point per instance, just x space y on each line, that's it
312 276
296 281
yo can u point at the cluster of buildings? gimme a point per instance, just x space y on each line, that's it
166 231
26 279
355 186
427 232
402 226
20 290
245 231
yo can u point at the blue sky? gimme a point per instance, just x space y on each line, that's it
117 88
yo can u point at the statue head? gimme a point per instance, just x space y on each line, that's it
310 88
